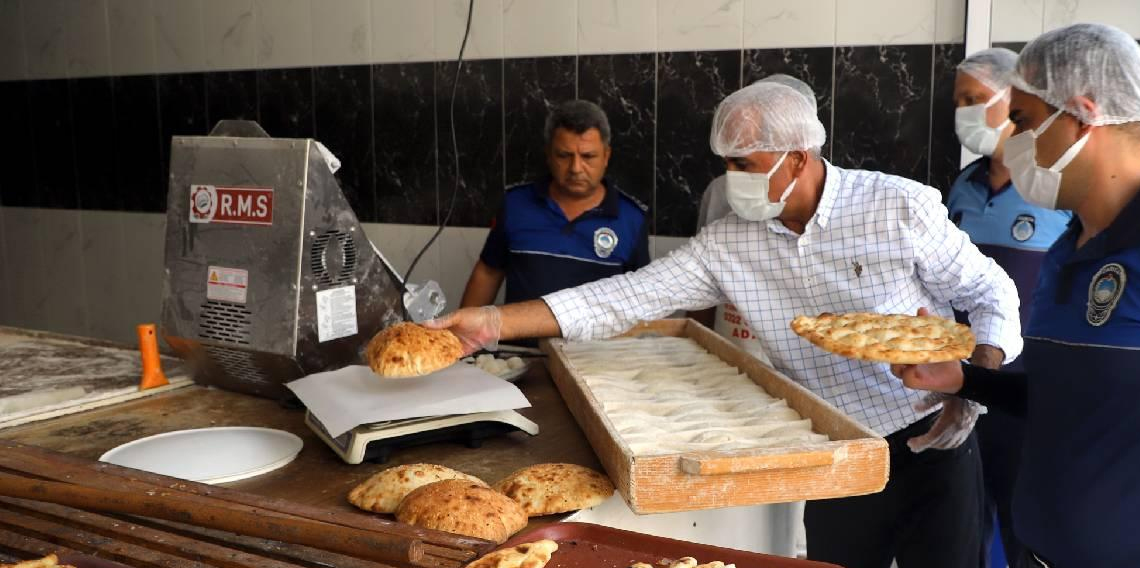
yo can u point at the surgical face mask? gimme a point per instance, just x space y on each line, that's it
747 194
1038 185
972 129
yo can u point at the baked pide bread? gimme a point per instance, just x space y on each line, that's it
383 492
894 338
49 561
410 350
463 507
549 488
528 555
686 562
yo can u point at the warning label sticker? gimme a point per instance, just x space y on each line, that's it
336 313
227 284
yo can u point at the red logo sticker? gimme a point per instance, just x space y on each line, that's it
242 205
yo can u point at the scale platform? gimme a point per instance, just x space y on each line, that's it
376 442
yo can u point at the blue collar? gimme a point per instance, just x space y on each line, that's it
981 176
1123 233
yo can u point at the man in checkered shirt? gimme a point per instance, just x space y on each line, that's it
806 237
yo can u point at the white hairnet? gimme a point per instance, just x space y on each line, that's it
992 67
765 117
800 86
1091 60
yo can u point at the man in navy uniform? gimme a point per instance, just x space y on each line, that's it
1006 228
572 227
1075 107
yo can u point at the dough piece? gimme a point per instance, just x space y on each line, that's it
383 492
463 507
515 363
411 350
685 562
890 338
49 561
529 555
549 488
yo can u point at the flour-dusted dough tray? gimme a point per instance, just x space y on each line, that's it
854 462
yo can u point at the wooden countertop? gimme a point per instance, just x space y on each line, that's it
317 477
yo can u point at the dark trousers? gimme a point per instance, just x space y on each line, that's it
999 439
928 516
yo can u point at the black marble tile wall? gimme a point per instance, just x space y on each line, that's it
479 134
138 144
812 65
344 125
92 112
52 141
231 95
285 102
531 87
883 109
945 151
404 131
690 85
182 104
17 158
624 85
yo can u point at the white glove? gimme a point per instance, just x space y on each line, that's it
952 427
476 328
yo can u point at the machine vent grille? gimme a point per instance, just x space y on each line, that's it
224 321
332 258
237 364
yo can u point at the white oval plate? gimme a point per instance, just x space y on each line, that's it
209 455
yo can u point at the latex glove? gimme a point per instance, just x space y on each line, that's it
952 427
476 328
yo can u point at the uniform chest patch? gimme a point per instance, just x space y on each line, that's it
1023 228
605 241
1104 292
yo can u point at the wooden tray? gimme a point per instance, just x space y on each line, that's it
584 545
855 461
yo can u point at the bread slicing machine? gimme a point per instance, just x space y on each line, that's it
270 277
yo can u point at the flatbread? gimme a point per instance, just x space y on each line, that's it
549 488
410 350
49 561
527 555
383 492
894 338
463 507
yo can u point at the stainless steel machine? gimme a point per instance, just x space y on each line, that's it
269 275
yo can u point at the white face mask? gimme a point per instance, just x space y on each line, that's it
972 129
747 194
1037 185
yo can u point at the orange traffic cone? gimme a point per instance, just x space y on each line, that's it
152 375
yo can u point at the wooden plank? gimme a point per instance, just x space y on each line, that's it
17 546
89 402
855 461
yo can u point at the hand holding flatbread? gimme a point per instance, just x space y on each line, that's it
411 350
891 338
527 555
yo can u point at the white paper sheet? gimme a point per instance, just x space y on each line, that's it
354 395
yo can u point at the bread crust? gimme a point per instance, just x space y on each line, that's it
888 338
549 488
383 492
463 507
411 350
527 555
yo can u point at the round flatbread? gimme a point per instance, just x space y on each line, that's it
463 507
549 488
528 555
411 350
383 492
892 338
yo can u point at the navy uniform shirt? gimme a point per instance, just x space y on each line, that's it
1004 227
1077 500
541 251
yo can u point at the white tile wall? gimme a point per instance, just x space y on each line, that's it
617 26
104 268
180 37
22 257
61 290
461 248
539 28
885 22
486 38
401 243
661 246
284 33
13 63
131 28
6 277
1016 20
230 34
342 32
145 234
789 23
950 21
1124 14
44 40
683 25
403 31
87 43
